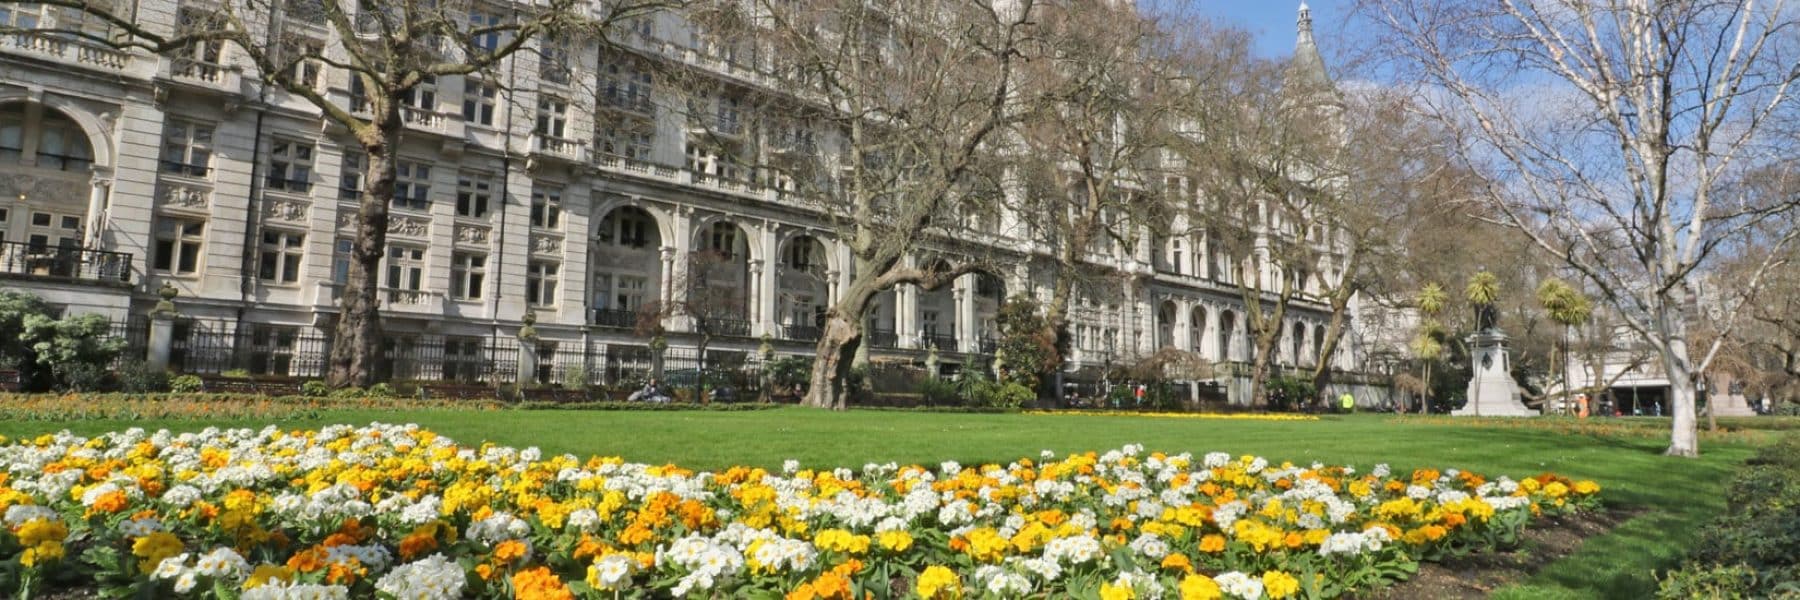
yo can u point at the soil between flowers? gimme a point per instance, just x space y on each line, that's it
1480 574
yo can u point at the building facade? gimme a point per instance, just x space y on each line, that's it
572 191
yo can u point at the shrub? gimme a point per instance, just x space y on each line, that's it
381 390
187 384
236 374
348 392
315 389
790 373
76 349
574 378
1753 550
937 392
137 377
1012 395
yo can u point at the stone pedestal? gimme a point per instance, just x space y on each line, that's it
162 340
1492 391
1726 397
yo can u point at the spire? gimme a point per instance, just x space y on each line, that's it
1308 65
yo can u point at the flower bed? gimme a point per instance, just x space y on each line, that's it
400 511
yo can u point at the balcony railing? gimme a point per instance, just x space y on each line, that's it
188 68
429 120
804 333
402 297
559 147
66 48
612 317
65 262
728 327
987 345
883 338
943 342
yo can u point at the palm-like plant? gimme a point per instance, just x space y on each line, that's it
1483 288
1568 307
1425 345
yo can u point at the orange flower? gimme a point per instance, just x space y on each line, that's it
511 551
417 543
1176 561
539 584
1212 544
307 561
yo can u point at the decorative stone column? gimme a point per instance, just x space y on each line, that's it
528 350
162 328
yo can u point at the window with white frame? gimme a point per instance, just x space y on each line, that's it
280 254
176 248
627 87
340 260
187 148
630 139
554 58
468 272
422 95
473 193
552 117
290 165
540 282
412 186
304 58
359 94
405 267
480 19
546 207
202 59
350 177
480 100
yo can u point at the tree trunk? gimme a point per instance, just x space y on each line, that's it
836 354
357 343
1684 432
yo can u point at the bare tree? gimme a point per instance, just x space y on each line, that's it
1090 145
1613 133
906 100
390 50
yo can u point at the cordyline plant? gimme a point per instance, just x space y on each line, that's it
389 49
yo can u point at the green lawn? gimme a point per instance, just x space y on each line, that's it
1678 494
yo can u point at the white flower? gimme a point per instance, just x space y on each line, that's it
433 578
223 563
1239 585
614 571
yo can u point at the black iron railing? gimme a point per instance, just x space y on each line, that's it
883 338
943 342
728 327
804 333
612 317
68 262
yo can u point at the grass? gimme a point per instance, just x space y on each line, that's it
1677 496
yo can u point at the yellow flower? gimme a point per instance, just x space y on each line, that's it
265 573
1586 488
1200 587
1279 585
153 548
938 582
894 541
49 551
1109 591
1556 489
38 531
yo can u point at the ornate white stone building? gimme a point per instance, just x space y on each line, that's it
123 171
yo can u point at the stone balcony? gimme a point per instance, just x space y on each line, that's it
202 75
66 50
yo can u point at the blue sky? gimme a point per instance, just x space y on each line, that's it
1272 21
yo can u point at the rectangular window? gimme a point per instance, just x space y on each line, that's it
478 20
554 59
546 208
340 260
473 192
412 186
405 268
177 245
627 88
468 271
304 57
350 177
280 257
187 148
422 95
290 166
630 293
552 117
630 139
480 99
540 283
359 94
